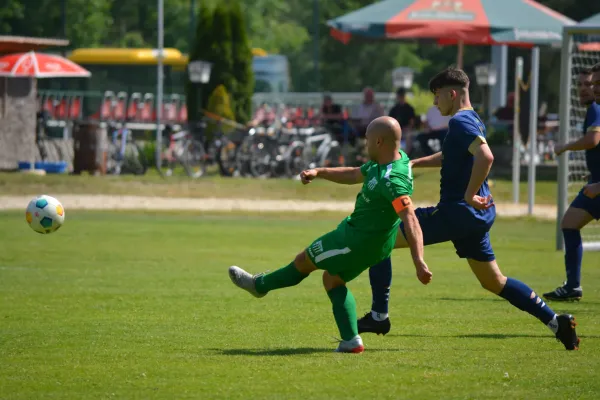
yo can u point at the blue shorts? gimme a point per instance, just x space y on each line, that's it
592 206
465 227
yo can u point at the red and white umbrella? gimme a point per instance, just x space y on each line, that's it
39 65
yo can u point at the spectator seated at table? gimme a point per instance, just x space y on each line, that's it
436 126
333 117
404 113
366 112
263 116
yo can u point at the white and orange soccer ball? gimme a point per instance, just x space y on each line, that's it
45 214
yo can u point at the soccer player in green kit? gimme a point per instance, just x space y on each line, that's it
364 238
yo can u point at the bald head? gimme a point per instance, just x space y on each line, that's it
383 138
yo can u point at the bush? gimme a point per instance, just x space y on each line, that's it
219 103
421 100
242 65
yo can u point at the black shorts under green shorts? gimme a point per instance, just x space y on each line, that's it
348 254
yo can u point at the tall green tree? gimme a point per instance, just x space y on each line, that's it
242 64
201 50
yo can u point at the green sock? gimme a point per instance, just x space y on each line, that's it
344 311
283 277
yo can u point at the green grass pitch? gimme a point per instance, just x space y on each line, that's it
139 306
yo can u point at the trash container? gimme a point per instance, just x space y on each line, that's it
89 145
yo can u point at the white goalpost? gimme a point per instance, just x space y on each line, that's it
580 49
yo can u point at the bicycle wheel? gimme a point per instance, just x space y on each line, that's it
261 154
333 156
134 161
295 161
226 157
194 158
113 159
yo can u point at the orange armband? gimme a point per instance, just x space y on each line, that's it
402 203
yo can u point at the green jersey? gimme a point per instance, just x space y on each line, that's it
368 235
374 210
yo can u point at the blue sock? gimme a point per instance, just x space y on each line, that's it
380 276
573 256
524 298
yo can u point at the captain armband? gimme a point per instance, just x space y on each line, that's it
402 203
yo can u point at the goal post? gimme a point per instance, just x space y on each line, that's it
580 49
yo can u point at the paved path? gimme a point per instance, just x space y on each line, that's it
101 202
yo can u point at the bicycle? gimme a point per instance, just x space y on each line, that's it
312 149
124 155
185 151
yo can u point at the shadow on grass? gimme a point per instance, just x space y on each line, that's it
289 351
470 299
486 336
556 304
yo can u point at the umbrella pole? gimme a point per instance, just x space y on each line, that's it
460 53
533 125
516 158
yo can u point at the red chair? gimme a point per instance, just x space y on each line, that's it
134 107
75 108
48 105
61 109
119 111
182 115
107 106
172 114
147 108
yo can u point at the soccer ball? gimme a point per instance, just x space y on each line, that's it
45 214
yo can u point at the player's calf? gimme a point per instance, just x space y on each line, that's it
344 312
260 284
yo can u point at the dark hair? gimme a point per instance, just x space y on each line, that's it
451 76
401 92
582 70
596 68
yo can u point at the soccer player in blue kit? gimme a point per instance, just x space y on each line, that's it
586 206
464 214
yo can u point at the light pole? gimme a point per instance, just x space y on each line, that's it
486 76
199 74
159 84
402 77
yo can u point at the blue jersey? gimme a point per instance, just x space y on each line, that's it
592 156
457 162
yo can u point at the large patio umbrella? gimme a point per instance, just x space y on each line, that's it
477 22
594 40
484 22
39 65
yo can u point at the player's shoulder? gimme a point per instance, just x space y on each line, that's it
594 110
399 169
466 121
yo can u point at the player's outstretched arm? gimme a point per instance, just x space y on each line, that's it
586 142
432 161
341 175
482 163
414 237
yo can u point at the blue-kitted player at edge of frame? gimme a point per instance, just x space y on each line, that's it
586 206
464 215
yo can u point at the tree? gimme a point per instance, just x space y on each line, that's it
202 50
242 64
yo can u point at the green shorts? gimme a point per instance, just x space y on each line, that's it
347 254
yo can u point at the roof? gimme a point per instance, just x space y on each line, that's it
126 56
21 44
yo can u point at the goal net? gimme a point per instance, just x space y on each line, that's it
581 49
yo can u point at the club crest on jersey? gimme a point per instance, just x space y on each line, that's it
372 183
316 248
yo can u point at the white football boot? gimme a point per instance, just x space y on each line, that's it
244 280
354 345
